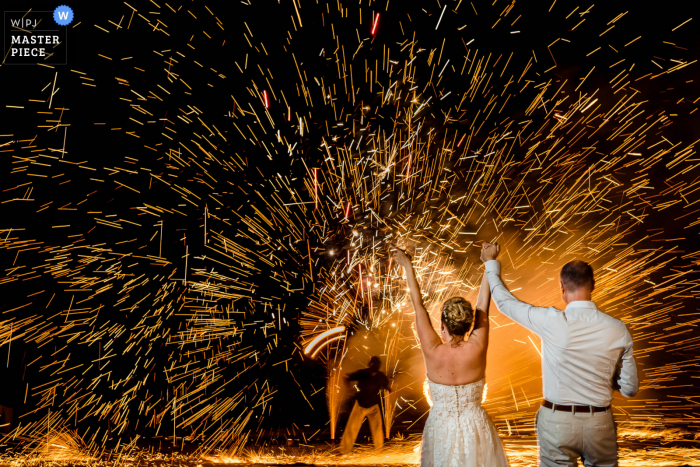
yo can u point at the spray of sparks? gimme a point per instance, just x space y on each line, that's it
149 291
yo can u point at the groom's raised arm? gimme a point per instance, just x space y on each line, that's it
530 316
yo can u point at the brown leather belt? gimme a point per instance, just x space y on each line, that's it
574 408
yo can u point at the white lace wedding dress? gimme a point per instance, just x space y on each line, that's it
458 431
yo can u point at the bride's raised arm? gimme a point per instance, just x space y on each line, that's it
480 333
429 339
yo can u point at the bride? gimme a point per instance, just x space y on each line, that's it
458 431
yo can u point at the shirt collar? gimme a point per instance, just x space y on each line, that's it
581 304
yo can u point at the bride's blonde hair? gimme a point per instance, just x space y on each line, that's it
457 316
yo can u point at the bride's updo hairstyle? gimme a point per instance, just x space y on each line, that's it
457 316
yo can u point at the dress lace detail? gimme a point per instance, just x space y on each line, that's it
458 431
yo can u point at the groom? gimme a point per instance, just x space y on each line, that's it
585 355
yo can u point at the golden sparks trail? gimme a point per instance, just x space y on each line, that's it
215 229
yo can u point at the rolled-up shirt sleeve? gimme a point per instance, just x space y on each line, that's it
530 316
626 378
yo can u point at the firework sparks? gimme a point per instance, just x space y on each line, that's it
343 134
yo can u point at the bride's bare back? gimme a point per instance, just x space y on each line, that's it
463 363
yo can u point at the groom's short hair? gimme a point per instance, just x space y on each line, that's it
577 274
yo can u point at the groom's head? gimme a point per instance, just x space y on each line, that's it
576 280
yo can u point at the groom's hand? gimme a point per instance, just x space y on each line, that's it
489 251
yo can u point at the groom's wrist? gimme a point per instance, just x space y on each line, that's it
492 265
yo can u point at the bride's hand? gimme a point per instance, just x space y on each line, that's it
400 256
489 251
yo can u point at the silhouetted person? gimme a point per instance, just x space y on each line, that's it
370 382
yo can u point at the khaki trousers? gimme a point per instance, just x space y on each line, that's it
563 437
357 417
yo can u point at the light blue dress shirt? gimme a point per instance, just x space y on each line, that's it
585 353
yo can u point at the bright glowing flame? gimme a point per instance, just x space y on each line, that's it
320 347
426 392
322 336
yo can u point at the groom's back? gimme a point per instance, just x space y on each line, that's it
585 355
582 349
